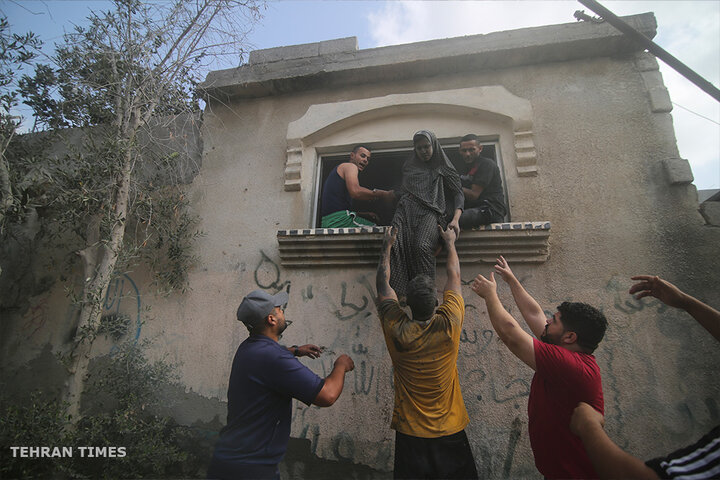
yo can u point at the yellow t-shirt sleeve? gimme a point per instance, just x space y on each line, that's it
453 307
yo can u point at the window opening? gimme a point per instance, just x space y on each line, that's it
385 172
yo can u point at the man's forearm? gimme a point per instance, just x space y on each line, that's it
609 460
382 278
503 323
530 310
335 382
704 314
456 215
362 193
332 388
469 194
453 262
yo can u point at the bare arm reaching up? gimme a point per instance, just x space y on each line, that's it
508 329
531 311
453 262
382 279
669 294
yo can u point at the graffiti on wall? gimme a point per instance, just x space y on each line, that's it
123 297
267 275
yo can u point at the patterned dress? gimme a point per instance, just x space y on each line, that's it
431 192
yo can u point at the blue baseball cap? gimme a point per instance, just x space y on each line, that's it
257 305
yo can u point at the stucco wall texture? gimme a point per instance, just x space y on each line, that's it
601 148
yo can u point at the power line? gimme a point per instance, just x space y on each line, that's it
695 113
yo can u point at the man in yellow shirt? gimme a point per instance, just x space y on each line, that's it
429 417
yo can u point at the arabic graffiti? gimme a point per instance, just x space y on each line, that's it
267 275
363 382
355 309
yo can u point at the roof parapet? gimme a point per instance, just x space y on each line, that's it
278 54
338 62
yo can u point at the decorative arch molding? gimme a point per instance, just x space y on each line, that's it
489 102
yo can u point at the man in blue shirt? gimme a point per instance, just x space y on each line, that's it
342 187
265 377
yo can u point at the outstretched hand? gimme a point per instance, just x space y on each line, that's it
503 269
661 289
309 350
484 287
449 235
454 225
390 237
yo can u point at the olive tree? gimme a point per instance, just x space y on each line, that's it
15 51
113 195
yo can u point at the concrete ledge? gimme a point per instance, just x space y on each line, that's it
527 46
678 170
519 242
277 54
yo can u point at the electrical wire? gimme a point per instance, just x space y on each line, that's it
695 113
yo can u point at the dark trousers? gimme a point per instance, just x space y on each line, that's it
218 471
476 216
434 458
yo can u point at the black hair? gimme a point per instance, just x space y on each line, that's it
358 147
421 297
588 323
470 137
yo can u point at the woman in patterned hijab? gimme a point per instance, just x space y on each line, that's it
431 195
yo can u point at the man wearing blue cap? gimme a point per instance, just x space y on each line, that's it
265 377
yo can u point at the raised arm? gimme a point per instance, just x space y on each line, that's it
671 295
453 262
382 279
334 382
609 460
517 340
530 310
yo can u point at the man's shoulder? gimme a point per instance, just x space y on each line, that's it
388 307
261 346
345 166
485 162
452 295
453 303
562 356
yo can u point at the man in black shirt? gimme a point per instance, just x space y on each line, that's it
482 186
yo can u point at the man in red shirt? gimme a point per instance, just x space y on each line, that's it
565 370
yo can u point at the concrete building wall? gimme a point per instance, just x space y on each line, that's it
587 143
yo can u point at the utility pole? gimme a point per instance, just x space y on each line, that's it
653 48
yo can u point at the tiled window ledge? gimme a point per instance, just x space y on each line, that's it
518 242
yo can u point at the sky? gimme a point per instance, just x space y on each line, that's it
689 30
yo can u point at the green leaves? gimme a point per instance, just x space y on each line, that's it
129 385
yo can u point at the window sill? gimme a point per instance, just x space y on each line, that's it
518 242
